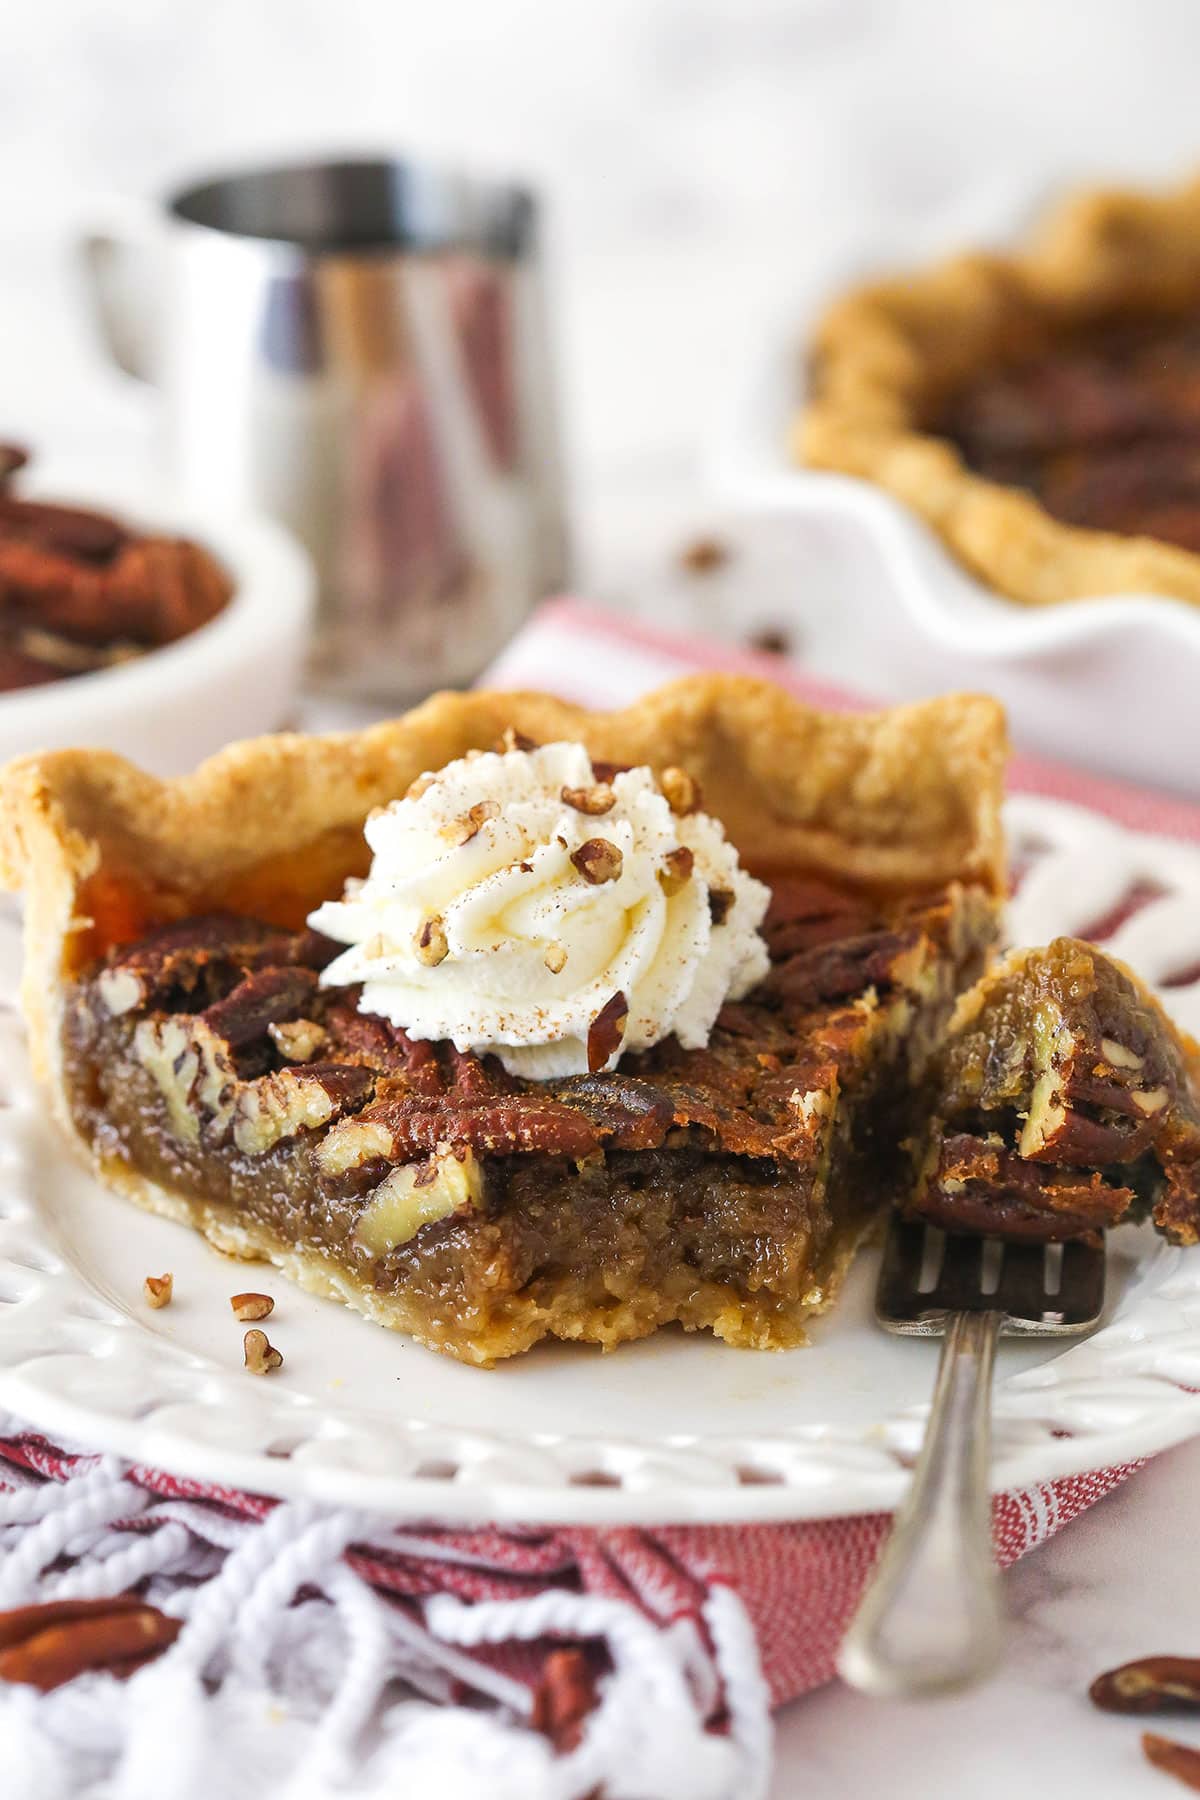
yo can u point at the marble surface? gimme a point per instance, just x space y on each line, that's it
1118 1583
712 166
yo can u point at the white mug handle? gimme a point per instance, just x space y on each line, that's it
122 242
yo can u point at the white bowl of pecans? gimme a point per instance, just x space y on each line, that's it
131 622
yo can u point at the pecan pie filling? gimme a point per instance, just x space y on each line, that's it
723 1188
1063 1101
1102 427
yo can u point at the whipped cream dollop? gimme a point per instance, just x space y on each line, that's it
519 904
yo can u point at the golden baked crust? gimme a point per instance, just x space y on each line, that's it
884 355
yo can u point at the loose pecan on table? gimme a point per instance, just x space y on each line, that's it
46 1646
1180 1760
1152 1684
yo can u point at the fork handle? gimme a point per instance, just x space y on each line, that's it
931 1619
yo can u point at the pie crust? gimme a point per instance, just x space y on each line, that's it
898 805
888 353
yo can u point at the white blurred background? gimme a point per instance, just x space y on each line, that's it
709 164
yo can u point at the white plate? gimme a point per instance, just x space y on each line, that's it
235 677
1108 682
676 1428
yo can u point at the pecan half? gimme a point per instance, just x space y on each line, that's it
265 998
259 1354
598 861
594 801
158 1290
1152 1684
47 1646
626 1112
279 1105
203 956
67 530
403 1127
1180 1760
606 1032
835 971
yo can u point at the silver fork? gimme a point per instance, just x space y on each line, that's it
931 1619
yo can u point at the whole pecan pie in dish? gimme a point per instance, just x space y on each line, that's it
1063 1100
1041 410
548 1060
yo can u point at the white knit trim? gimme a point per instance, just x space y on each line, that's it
346 1692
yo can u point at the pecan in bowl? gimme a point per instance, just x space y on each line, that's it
81 591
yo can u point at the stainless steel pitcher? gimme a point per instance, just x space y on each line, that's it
360 349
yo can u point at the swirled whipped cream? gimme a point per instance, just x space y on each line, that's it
519 904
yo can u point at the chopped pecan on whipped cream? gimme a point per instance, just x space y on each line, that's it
498 917
81 591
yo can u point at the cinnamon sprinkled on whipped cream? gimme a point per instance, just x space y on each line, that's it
503 916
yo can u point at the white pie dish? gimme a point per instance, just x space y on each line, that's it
235 677
1109 682
671 1429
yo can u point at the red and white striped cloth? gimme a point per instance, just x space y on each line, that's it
328 1652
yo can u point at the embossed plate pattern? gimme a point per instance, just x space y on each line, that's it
673 1429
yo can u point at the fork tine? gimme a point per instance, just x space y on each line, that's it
898 1292
1081 1287
959 1286
1022 1289
1021 1293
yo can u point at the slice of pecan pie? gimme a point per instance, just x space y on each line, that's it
178 1013
1041 410
1064 1101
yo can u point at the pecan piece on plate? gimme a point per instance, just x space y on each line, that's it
159 1290
259 1354
247 1307
46 1646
